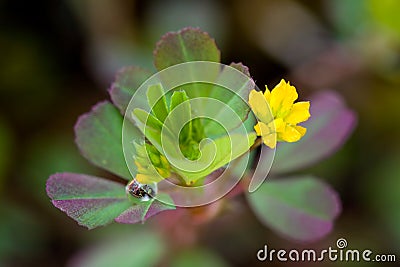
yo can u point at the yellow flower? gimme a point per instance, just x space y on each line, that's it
278 115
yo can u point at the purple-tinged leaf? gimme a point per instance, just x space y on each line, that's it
301 208
240 67
127 81
99 138
188 44
89 200
330 125
144 210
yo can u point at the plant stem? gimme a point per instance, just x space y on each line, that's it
256 144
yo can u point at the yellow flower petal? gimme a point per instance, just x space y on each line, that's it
299 113
278 125
262 129
282 98
259 106
268 136
290 134
270 140
267 93
301 130
281 125
257 129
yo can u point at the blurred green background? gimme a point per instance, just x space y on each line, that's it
59 57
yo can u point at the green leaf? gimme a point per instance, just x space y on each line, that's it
157 101
147 120
197 133
193 129
214 155
301 208
215 108
99 138
93 201
127 81
137 249
186 131
89 200
177 98
149 125
178 118
232 87
186 45
243 164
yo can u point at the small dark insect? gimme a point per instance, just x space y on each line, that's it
141 191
